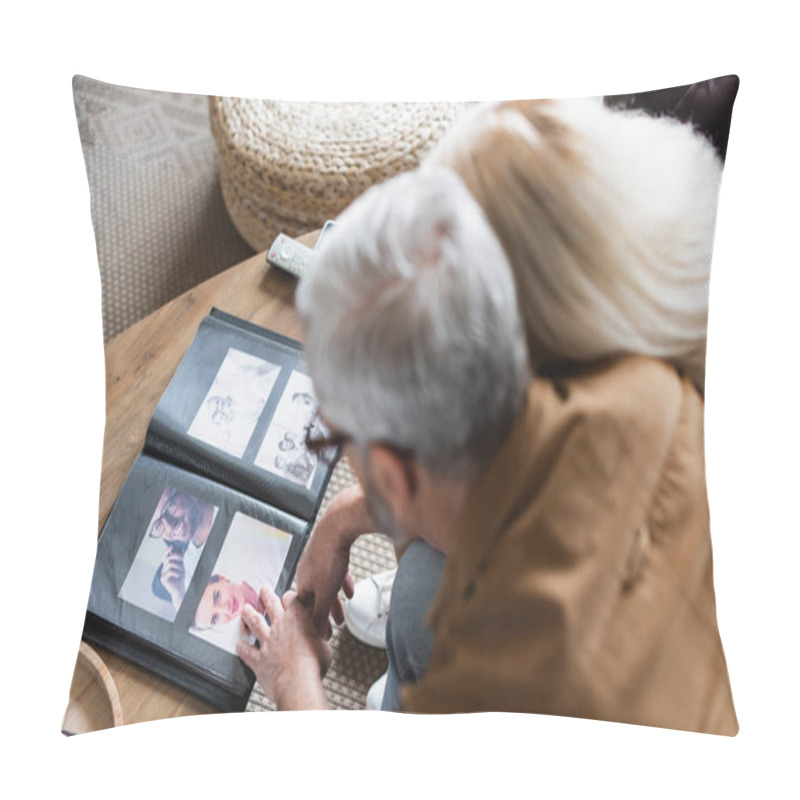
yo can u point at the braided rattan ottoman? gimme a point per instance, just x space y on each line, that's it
290 166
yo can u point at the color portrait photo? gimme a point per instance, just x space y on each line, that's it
252 556
169 553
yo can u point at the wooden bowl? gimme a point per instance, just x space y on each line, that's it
93 698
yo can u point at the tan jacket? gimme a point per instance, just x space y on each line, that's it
581 583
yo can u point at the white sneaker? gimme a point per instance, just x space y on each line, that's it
375 693
367 612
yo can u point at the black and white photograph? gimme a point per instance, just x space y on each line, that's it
282 451
231 409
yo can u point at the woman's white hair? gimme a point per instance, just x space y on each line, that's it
607 218
412 331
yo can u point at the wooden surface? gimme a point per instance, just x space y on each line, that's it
140 363
93 698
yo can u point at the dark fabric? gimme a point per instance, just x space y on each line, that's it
708 105
408 639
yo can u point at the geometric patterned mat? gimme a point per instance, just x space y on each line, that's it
160 222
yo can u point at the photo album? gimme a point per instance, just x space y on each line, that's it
219 503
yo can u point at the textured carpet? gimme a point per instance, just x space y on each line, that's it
161 227
160 223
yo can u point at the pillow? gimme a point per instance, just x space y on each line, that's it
227 174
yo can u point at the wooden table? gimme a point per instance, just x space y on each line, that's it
140 362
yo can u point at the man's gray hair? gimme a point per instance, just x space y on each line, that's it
413 334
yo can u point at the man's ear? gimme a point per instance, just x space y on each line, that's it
395 479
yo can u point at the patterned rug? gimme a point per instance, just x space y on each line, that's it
160 223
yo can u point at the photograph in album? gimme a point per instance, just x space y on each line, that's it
233 405
169 554
282 452
253 556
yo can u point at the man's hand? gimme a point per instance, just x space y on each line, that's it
291 658
322 570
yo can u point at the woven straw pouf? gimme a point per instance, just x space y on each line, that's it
288 166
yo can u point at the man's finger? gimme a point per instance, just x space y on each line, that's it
337 611
319 616
271 602
248 653
325 631
290 597
307 598
349 586
256 623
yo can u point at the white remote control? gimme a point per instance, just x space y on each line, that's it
289 255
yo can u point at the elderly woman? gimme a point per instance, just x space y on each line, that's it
606 219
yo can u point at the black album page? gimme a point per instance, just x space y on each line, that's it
236 411
177 560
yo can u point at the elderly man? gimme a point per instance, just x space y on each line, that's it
566 517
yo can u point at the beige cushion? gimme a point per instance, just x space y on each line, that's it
288 166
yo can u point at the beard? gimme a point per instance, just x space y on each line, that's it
382 517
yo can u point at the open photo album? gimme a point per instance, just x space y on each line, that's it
219 503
